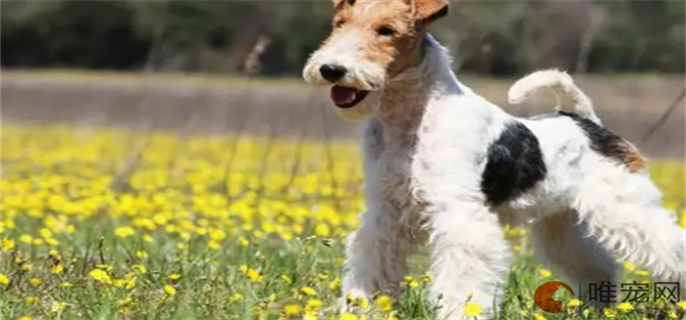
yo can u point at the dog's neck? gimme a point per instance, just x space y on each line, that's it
405 98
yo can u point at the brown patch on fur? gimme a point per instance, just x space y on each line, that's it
631 156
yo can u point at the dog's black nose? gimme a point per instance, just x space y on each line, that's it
332 72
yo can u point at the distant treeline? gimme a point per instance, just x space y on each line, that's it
273 38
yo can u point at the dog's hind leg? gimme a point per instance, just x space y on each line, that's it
623 212
560 243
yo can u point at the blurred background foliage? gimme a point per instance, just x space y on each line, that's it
274 38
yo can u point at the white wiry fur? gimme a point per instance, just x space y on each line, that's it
425 148
571 99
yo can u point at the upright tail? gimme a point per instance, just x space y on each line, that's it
570 97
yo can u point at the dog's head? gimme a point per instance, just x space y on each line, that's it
371 42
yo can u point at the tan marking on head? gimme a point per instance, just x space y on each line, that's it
390 31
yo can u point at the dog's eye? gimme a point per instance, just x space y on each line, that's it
385 31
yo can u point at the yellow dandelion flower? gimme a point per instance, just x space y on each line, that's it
545 273
286 279
170 290
174 276
629 266
574 303
25 238
147 238
7 244
31 299
473 309
362 302
625 307
243 241
642 273
35 282
291 309
348 316
681 304
310 315
217 235
141 254
4 280
308 291
538 316
322 230
139 268
123 232
335 284
384 303
672 314
24 318
100 276
66 284
313 305
214 245
58 268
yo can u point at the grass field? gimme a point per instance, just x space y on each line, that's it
107 224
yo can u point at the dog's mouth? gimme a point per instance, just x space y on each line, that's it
346 97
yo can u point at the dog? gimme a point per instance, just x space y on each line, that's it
444 166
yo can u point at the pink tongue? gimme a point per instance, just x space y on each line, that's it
342 95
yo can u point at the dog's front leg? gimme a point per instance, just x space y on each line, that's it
470 259
375 257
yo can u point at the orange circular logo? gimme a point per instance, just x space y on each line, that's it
544 296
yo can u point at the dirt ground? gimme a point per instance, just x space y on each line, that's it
628 104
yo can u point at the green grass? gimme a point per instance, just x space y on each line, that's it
182 233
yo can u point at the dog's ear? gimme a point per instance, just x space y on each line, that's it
428 11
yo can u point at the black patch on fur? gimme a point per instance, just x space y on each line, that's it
515 164
603 141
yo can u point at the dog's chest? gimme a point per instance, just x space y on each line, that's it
389 175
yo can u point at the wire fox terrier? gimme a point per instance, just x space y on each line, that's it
445 166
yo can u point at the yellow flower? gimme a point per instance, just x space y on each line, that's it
473 309
25 238
310 315
139 268
214 245
4 280
681 304
291 309
313 305
58 268
538 316
672 314
35 282
147 238
335 284
574 303
348 316
243 241
174 276
642 273
287 279
217 235
629 266
322 230
25 318
545 273
141 254
308 291
123 232
31 299
100 276
384 303
169 290
625 306
236 297
7 244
